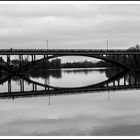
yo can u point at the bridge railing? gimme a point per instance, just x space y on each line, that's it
63 50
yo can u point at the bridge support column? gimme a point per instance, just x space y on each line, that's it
117 57
113 56
119 82
34 57
135 79
21 58
33 88
129 80
107 84
124 58
129 58
20 61
8 59
21 85
113 83
124 80
9 85
135 61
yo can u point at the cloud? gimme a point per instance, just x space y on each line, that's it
69 26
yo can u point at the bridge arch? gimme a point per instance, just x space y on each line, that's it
101 57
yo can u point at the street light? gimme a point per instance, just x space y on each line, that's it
107 44
47 43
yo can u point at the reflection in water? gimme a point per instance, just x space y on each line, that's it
45 74
83 70
105 113
109 79
3 74
70 77
111 72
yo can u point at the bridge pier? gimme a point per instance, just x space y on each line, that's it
124 58
45 83
129 56
9 86
135 79
106 55
117 57
124 80
21 85
34 57
20 61
113 83
113 57
129 79
34 87
8 60
118 82
107 85
135 61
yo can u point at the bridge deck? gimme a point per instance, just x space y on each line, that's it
66 51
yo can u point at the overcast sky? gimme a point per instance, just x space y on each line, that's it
69 26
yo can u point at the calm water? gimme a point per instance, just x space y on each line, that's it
92 114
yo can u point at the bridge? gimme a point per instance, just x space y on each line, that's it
108 55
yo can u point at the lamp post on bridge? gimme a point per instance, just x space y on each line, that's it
47 44
107 44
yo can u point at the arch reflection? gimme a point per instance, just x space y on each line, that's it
117 80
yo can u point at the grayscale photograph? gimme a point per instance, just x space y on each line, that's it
69 69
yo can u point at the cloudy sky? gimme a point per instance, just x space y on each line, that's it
69 25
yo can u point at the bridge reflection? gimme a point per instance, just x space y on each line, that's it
124 80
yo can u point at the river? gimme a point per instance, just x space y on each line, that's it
105 113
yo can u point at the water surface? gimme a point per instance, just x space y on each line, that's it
91 114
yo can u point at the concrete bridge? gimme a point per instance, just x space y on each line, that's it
111 55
